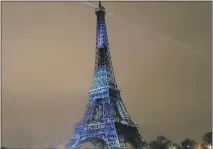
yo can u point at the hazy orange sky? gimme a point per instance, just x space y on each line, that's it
48 53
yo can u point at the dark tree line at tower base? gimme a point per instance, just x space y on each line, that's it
162 142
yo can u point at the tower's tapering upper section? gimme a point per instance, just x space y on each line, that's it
103 74
101 32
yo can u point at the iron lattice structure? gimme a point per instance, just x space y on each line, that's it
106 122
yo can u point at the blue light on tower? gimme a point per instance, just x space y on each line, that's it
105 114
102 40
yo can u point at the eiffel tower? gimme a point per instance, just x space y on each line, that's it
106 122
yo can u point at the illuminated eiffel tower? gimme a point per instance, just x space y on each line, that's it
106 122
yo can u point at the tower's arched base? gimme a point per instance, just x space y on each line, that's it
109 135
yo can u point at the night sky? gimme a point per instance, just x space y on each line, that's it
161 54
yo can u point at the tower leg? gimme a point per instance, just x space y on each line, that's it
138 142
103 138
73 143
122 142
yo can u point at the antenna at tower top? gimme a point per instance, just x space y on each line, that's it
100 8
